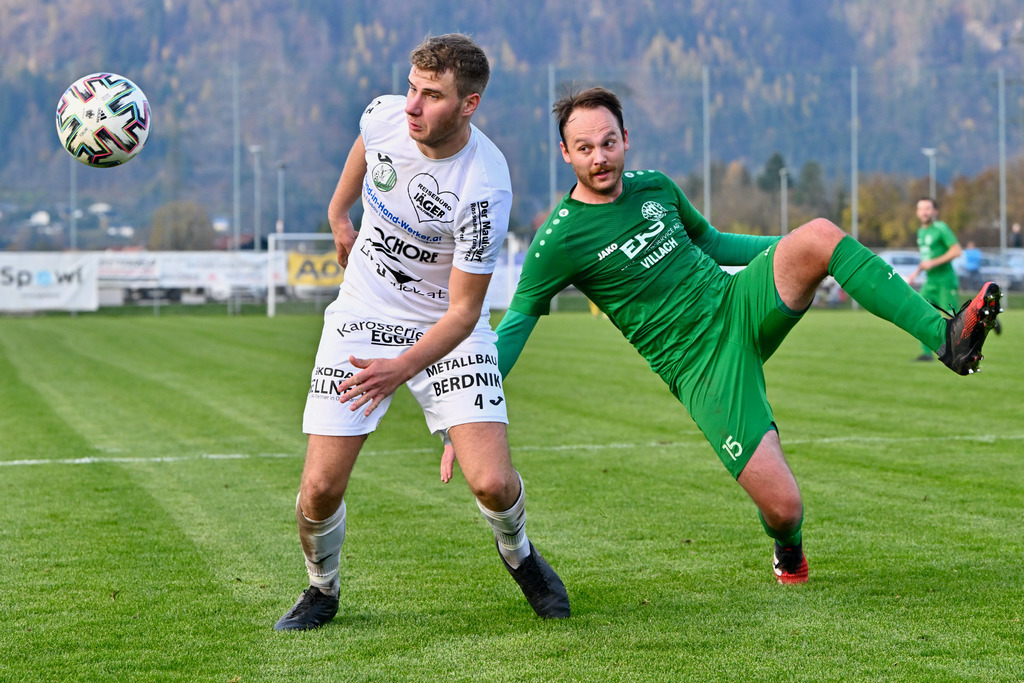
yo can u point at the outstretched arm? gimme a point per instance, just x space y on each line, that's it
513 331
729 249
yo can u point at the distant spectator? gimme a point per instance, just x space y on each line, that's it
972 265
1016 239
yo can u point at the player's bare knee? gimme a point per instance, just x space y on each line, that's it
495 490
319 496
827 234
818 238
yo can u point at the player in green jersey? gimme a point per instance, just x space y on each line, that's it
635 246
938 246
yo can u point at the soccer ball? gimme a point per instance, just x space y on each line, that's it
103 120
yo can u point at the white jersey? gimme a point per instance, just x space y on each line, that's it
422 217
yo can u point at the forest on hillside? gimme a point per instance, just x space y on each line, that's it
776 82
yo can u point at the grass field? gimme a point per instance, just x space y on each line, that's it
148 470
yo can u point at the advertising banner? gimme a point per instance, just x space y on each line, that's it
45 281
314 270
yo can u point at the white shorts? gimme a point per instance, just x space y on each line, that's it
464 386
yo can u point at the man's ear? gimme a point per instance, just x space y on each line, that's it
565 152
470 103
625 139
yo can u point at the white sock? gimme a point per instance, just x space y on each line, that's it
321 544
510 529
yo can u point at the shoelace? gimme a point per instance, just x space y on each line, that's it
534 578
308 601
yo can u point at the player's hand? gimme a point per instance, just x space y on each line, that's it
447 463
344 237
380 377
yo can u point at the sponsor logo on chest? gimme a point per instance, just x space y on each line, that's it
643 242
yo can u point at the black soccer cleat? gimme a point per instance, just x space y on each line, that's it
540 584
789 564
966 331
313 610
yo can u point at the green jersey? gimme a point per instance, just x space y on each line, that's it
933 241
645 259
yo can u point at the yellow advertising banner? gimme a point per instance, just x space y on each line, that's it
314 270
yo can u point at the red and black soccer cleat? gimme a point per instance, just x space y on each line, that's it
966 331
789 564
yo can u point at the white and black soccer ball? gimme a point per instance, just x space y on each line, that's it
103 119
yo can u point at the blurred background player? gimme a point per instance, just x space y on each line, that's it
938 246
412 310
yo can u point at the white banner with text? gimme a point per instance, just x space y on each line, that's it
45 281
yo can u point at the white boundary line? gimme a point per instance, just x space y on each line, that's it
979 438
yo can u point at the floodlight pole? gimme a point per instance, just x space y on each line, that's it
854 161
930 153
706 106
552 142
236 172
1002 161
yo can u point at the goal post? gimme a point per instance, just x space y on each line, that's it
301 266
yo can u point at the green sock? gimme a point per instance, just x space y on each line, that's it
787 539
872 283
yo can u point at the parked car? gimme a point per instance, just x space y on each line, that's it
1006 270
1015 265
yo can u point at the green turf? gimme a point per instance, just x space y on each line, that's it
148 470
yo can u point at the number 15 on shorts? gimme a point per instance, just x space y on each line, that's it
733 447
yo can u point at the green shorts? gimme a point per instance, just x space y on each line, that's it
721 384
942 291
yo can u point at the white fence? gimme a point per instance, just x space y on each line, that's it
84 281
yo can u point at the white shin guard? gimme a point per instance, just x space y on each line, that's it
510 528
321 544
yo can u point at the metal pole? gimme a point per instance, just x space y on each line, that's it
237 168
552 141
784 186
74 205
1002 161
396 76
256 149
854 171
930 153
706 98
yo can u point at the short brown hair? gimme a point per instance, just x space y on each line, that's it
457 53
591 98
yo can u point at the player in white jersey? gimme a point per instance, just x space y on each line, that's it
412 310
